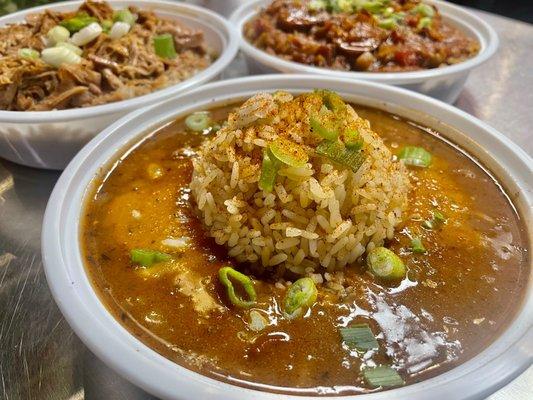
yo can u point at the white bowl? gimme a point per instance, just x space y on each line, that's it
502 361
49 139
442 83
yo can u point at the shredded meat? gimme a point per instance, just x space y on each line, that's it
110 70
355 40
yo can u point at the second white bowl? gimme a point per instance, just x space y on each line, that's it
49 139
443 83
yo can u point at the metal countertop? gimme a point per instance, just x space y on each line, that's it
41 358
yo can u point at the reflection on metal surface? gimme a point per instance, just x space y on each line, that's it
40 357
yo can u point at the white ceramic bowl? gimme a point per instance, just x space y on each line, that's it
510 354
442 83
49 139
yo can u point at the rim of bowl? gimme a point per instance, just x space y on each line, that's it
483 32
477 377
221 27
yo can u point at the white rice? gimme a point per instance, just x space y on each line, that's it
320 217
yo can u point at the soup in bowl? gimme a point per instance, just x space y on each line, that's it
280 239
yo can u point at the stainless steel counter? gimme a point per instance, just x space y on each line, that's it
41 358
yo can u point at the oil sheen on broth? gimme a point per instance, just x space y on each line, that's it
455 300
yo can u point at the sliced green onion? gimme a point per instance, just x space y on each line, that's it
332 101
124 15
382 376
437 220
415 156
164 46
388 12
300 295
288 152
147 257
384 264
55 56
387 23
28 53
106 25
359 336
323 128
198 121
424 23
225 274
417 246
78 22
337 152
87 34
269 171
425 9
317 5
58 34
352 140
373 6
439 217
69 46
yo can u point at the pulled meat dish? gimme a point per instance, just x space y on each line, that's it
95 55
359 35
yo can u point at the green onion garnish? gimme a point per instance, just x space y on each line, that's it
288 152
106 25
424 23
269 170
164 46
415 156
28 53
300 295
417 246
384 264
198 121
424 9
337 152
373 6
359 336
437 220
323 128
124 15
226 274
387 23
332 101
382 376
78 22
352 140
147 258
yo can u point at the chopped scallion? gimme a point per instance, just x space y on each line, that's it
164 46
198 121
415 156
382 376
78 22
106 25
124 15
424 22
323 128
384 264
359 336
352 140
300 295
147 257
417 246
226 275
332 101
269 171
437 220
424 9
337 152
28 53
288 152
387 23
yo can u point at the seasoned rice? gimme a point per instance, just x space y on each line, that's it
320 217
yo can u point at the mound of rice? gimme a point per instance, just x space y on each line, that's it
319 217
